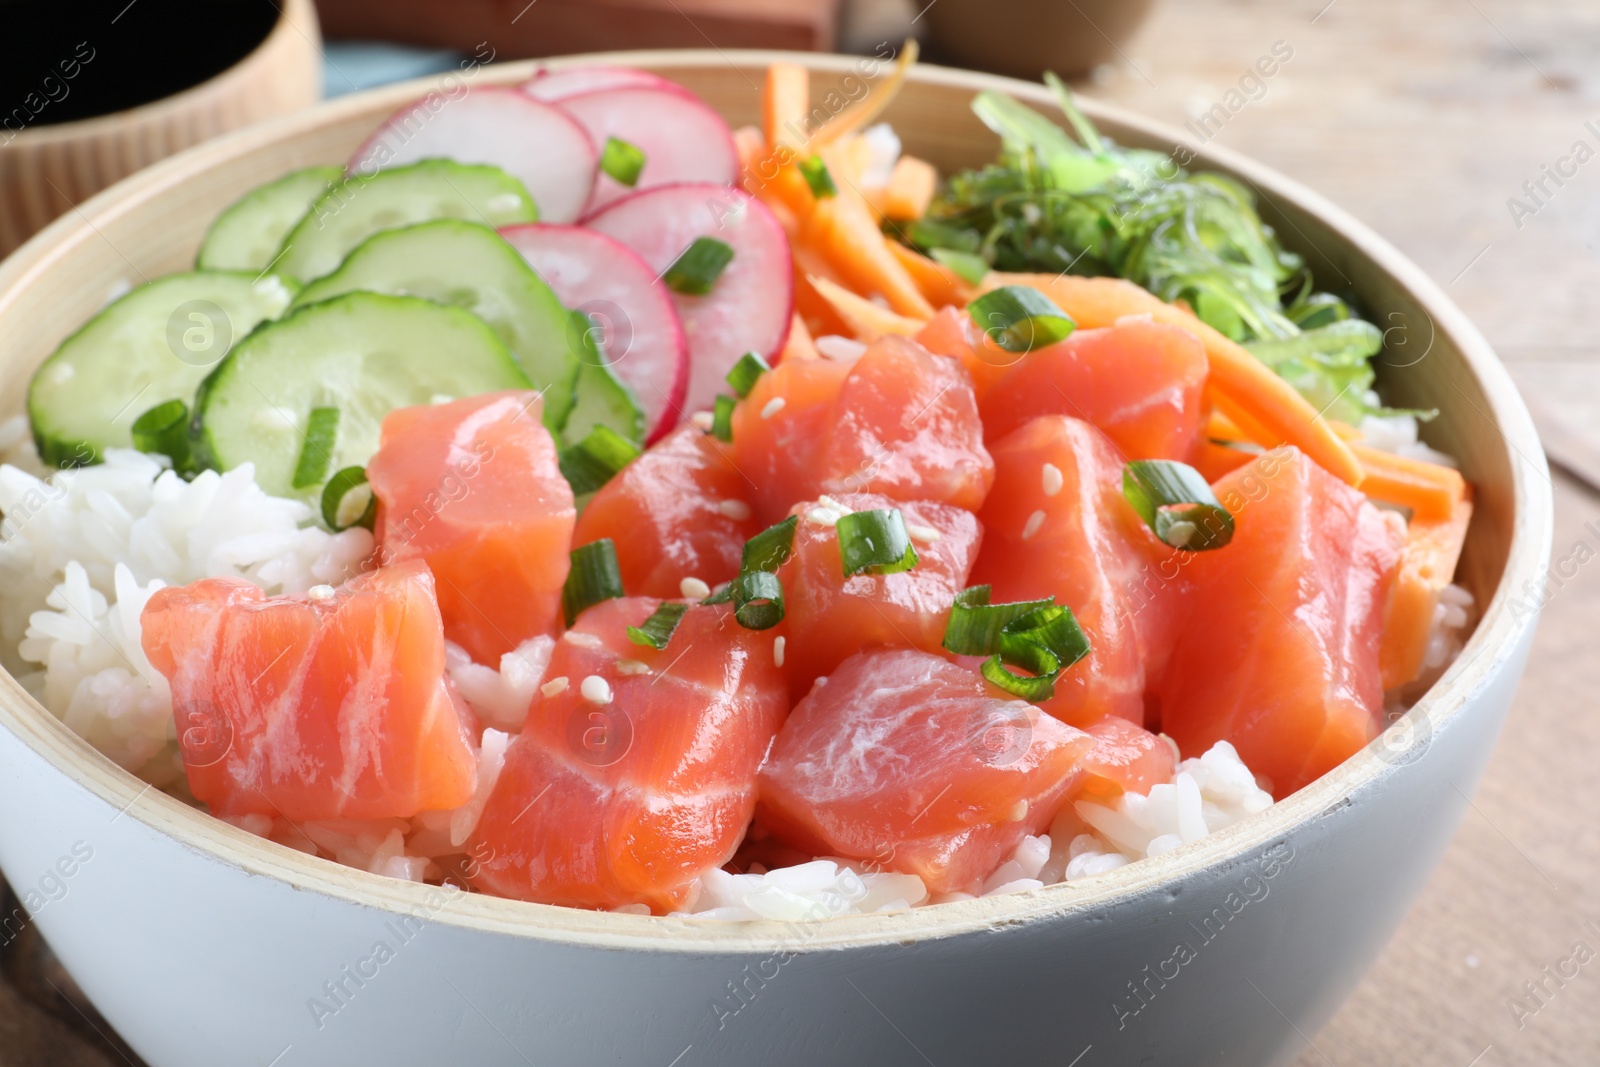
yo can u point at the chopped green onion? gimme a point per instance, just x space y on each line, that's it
758 600
596 459
164 430
1019 318
815 172
657 630
347 500
594 577
975 624
1174 500
621 160
722 594
722 418
697 269
875 542
1044 642
746 373
771 548
969 266
316 454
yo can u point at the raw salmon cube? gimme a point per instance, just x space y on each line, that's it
917 764
1057 525
472 487
829 617
679 511
333 707
1280 655
636 771
898 421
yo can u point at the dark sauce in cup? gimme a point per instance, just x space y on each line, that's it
64 60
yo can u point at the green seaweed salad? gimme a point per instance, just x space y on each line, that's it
1089 206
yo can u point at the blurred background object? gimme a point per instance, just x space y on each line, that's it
91 91
526 29
1025 38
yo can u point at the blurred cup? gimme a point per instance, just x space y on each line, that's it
94 90
1025 38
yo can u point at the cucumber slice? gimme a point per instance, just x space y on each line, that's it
601 398
362 353
360 206
469 266
155 344
251 230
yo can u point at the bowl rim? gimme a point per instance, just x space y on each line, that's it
294 17
1500 627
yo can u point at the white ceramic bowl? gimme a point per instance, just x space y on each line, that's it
204 945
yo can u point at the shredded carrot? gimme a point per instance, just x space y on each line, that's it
843 230
910 190
1430 490
751 146
1221 428
860 115
942 286
866 320
1427 565
785 99
819 316
847 160
1245 425
1247 383
799 345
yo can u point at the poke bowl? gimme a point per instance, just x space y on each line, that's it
1186 912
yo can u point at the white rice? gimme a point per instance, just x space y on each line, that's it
81 551
1398 434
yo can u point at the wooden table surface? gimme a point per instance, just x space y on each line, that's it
1423 118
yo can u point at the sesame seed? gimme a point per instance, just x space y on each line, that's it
1052 479
596 690
320 592
772 407
820 682
632 666
703 419
824 516
737 510
694 589
554 686
1019 811
582 640
777 651
925 534
1033 525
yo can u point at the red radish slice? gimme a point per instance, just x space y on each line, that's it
553 85
748 309
642 335
682 139
536 143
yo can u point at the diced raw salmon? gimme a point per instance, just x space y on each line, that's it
1057 525
473 488
952 333
898 421
829 617
636 771
1138 382
1126 758
919 765
1280 655
679 511
310 709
